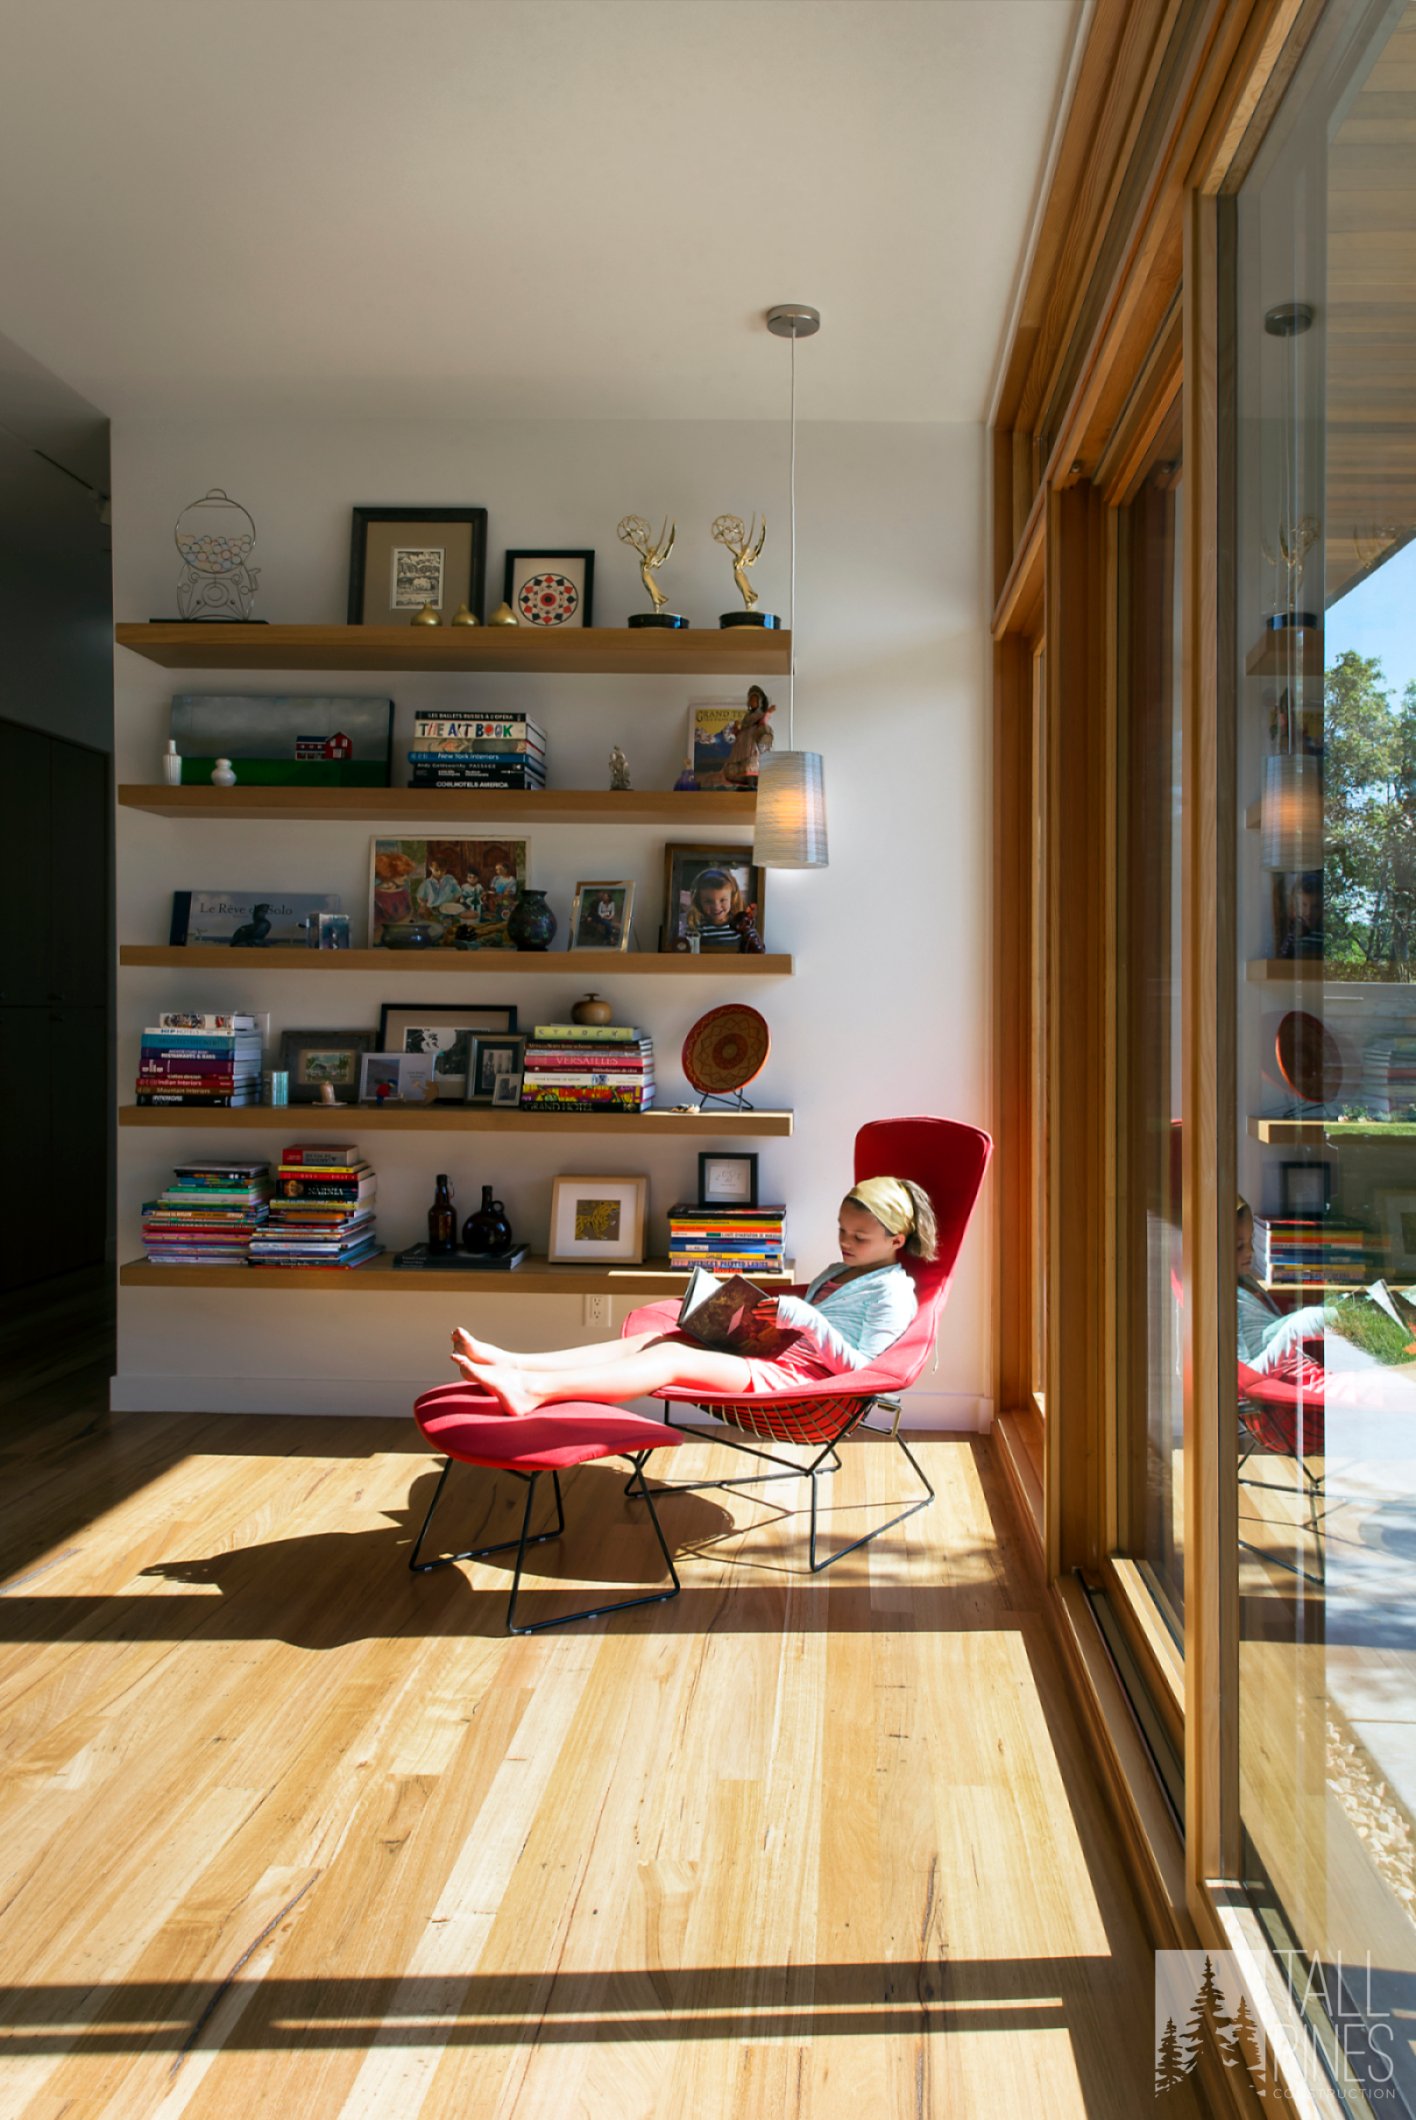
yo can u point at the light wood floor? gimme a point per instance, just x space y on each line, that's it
282 1827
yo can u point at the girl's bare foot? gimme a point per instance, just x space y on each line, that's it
479 1352
512 1388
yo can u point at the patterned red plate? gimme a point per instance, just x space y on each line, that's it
1309 1058
726 1049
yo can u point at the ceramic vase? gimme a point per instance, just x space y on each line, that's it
487 1232
532 925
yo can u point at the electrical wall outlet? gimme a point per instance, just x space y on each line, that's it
597 1310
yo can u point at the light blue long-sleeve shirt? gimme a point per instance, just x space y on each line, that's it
856 1322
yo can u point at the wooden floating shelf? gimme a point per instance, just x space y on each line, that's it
534 1277
1279 971
464 964
1310 1288
294 1120
1295 651
1319 1133
619 651
704 810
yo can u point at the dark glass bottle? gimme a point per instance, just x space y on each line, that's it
442 1218
488 1231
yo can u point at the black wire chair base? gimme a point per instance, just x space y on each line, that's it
478 1553
791 1471
1316 1499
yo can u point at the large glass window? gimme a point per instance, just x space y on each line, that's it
1323 1273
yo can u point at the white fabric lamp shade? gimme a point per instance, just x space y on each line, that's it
791 812
1292 813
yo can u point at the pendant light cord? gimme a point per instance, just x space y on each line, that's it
791 591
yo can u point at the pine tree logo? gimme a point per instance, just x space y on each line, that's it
1201 2008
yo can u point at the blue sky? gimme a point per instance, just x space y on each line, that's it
1378 618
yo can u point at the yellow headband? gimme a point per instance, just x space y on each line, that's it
888 1201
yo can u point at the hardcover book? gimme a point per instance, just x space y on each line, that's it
721 1314
212 918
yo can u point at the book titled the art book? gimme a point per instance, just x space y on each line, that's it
723 1314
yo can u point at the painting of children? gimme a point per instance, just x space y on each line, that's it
466 886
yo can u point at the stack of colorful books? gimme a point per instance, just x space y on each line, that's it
322 1213
194 1058
450 751
728 1239
572 1067
208 1215
1311 1252
1388 1086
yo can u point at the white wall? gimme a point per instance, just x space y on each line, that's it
889 1012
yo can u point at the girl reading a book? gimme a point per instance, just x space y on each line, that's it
1271 1340
850 1314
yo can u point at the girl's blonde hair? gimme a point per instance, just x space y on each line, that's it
923 1240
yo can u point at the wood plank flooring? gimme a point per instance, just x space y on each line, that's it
285 1828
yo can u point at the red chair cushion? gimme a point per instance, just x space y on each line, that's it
1287 1418
473 1429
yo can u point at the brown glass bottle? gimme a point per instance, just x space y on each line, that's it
442 1219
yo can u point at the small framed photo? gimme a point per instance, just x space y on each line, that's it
601 915
1396 1218
506 1091
403 558
492 1060
597 1221
550 588
314 1058
727 1180
705 888
442 1032
397 1078
1306 1189
332 931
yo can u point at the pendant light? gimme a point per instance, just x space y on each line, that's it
790 832
1291 813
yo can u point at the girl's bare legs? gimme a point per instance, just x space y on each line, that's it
472 1355
639 1370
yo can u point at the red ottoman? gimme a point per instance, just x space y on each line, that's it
470 1429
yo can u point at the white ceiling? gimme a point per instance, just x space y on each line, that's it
520 208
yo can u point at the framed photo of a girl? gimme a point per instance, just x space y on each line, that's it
601 915
706 888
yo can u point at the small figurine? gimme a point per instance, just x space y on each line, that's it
750 943
464 615
687 782
503 616
653 551
328 1094
754 736
429 615
255 932
619 770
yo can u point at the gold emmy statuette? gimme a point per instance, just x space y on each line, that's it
503 616
464 616
746 549
652 554
428 616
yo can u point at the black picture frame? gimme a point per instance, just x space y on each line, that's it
305 1083
709 1198
481 1085
1305 1189
519 553
467 1018
472 591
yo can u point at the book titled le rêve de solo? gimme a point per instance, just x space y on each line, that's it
719 1313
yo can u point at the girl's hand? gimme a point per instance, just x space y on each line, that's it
764 1314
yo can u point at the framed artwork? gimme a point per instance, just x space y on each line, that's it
506 1090
1396 1217
494 1059
712 732
285 740
1306 1188
550 588
313 1058
597 1221
468 886
397 1078
331 931
403 558
600 916
727 1180
442 1033
704 888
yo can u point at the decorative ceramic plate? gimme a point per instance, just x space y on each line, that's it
547 600
726 1049
1308 1058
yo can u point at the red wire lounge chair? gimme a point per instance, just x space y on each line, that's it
949 1160
1280 1419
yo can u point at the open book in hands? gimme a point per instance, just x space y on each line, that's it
734 1314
